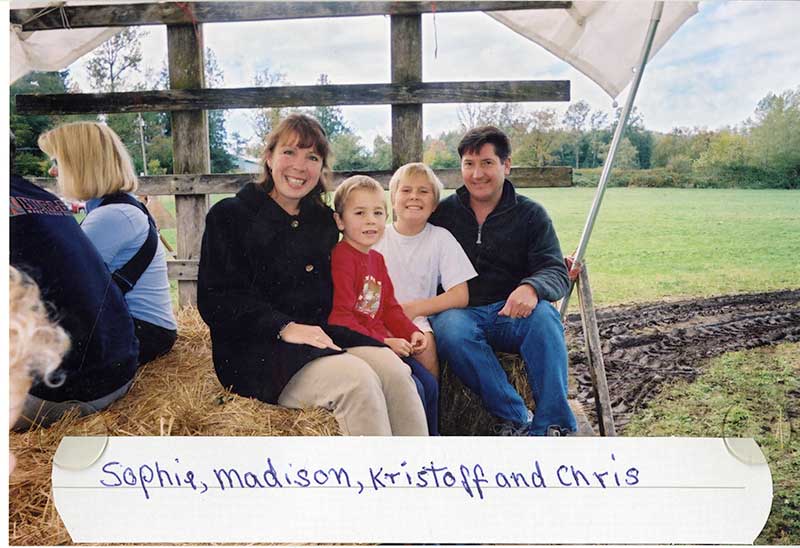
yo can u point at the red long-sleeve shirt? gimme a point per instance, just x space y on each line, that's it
363 295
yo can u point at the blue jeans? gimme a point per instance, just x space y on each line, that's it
428 388
467 339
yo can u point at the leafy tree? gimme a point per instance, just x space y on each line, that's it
727 150
222 161
775 135
381 153
263 120
330 118
438 155
575 120
537 145
114 60
348 153
27 128
626 156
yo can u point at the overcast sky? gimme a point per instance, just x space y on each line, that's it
711 73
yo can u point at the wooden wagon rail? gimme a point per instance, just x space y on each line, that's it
295 96
175 13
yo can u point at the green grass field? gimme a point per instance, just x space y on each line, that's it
653 244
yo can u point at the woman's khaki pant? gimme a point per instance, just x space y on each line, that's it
369 390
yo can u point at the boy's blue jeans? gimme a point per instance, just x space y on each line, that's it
467 339
428 388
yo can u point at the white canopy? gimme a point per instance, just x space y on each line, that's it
601 39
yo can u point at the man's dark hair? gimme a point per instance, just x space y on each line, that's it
475 138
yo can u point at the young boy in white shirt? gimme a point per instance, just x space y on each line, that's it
421 257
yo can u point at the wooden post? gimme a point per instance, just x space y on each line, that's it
189 146
594 354
406 54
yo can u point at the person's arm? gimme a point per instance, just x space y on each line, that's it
548 275
548 280
113 230
455 269
455 297
226 297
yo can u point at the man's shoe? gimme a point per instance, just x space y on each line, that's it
558 431
511 428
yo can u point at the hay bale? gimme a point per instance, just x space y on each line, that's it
461 412
176 395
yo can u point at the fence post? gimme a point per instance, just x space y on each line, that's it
406 62
189 146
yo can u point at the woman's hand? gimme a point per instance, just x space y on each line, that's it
401 347
312 335
418 342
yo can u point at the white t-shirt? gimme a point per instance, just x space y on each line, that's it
418 264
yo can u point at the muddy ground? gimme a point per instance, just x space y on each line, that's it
645 346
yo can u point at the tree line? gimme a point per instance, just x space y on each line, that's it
762 151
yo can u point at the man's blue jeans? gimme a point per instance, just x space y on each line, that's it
467 339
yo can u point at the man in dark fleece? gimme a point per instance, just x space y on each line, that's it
513 246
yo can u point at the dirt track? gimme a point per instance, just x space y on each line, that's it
645 346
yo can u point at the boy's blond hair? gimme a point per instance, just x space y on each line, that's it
356 182
35 344
92 160
410 170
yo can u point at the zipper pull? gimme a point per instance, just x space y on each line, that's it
480 228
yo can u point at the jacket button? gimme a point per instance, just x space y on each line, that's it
309 267
295 223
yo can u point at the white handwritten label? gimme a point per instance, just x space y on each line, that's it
415 490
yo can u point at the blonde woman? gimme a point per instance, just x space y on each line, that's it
92 164
35 344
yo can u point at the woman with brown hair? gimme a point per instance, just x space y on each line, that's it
265 290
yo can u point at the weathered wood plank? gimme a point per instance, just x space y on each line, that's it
396 93
182 270
594 354
189 146
406 69
229 183
174 13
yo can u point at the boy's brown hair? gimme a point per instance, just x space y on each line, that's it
356 182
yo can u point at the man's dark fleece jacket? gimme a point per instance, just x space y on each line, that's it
515 245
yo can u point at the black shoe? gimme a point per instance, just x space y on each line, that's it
558 431
511 428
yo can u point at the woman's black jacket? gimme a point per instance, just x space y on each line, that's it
261 268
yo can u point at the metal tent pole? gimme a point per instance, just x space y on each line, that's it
655 18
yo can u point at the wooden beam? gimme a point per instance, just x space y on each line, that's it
594 354
230 183
406 69
399 93
175 13
189 146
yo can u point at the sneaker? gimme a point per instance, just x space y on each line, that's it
511 428
558 431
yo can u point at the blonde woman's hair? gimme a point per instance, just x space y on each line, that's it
356 182
35 344
413 169
92 160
